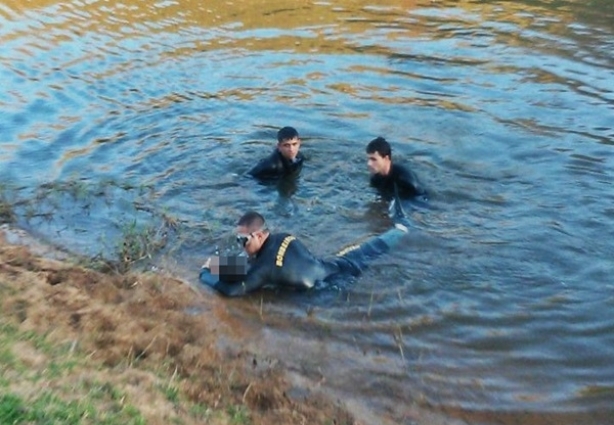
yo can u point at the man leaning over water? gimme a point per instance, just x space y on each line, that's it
280 260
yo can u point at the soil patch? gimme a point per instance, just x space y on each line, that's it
155 340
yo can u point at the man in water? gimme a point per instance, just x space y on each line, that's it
388 178
281 260
284 161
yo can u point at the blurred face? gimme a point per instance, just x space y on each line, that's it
251 241
232 268
378 164
289 148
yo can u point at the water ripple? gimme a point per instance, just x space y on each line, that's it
504 110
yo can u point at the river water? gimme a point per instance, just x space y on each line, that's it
498 308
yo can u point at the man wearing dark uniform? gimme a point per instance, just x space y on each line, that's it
286 160
281 260
388 178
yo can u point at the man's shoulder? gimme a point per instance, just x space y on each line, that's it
285 241
273 159
277 245
407 180
400 169
402 172
268 165
279 236
276 239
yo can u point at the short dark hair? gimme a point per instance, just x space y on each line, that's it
251 220
381 146
286 133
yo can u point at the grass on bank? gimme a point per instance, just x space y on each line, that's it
46 383
42 383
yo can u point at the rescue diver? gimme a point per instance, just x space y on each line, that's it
281 260
389 178
286 160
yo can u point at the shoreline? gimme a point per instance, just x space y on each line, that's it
138 323
162 332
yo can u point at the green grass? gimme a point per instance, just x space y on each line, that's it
12 409
171 392
200 412
49 409
42 383
239 415
7 339
65 397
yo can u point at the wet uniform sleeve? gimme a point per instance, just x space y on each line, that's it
266 168
255 278
408 184
260 170
354 259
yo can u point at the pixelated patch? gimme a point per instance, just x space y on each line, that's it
233 268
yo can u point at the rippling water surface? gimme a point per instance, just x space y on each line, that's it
498 309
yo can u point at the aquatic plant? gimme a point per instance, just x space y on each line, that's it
132 230
7 214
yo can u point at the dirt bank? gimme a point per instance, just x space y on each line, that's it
170 352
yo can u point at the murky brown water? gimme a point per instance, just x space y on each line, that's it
499 307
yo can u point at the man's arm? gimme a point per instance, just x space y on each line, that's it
407 182
254 279
266 168
260 170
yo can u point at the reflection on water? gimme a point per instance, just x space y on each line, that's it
496 310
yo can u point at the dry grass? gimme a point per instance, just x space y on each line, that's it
80 346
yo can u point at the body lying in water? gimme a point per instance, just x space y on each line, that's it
281 260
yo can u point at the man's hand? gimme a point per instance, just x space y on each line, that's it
207 264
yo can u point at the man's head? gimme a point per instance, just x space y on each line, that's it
288 143
229 268
251 232
379 156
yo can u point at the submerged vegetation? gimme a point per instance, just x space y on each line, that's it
99 340
7 215
111 226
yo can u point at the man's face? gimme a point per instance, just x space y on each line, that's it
252 241
289 148
230 268
378 164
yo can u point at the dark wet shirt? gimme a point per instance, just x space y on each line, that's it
284 261
275 165
406 182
